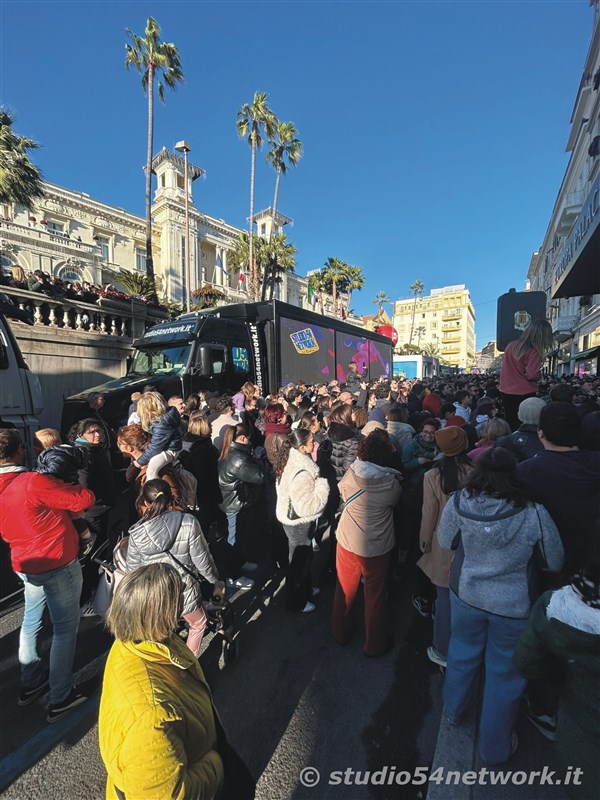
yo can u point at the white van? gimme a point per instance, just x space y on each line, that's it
21 400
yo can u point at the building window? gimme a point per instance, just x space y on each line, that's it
57 228
263 229
140 259
163 182
180 181
103 243
70 274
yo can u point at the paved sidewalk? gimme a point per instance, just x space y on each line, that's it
457 751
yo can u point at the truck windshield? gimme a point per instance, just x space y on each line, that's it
167 360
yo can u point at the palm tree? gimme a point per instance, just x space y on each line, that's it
280 260
316 284
355 280
417 288
208 296
334 274
431 349
135 284
381 298
20 180
159 61
252 119
286 149
238 257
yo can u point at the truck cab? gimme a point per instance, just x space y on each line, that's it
196 352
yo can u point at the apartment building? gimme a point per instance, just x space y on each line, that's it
444 320
567 265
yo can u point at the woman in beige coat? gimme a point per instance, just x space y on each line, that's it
449 473
370 490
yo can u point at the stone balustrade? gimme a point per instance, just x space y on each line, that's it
108 317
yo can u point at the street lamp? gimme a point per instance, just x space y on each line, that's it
183 147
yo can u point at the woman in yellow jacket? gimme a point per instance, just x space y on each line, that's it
157 726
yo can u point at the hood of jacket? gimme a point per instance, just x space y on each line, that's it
368 473
157 535
338 432
567 606
500 519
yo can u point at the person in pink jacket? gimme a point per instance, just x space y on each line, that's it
522 367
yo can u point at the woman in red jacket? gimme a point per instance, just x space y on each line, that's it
522 367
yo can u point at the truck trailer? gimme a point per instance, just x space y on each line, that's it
269 343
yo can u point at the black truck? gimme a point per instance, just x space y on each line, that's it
268 343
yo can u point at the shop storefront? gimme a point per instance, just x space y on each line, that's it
586 362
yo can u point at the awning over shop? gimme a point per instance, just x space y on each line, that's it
578 263
588 354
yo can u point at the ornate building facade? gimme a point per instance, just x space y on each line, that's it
76 238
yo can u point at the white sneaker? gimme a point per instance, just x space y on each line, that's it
316 591
240 583
249 566
437 658
308 608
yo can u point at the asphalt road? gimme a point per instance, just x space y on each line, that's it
294 699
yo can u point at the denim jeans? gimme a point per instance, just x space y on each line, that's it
232 528
479 636
441 621
60 590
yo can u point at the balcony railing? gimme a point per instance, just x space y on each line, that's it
25 234
127 319
563 327
572 205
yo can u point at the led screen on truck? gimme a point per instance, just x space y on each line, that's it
307 352
371 358
379 360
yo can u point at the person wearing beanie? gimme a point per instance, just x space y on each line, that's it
449 473
525 443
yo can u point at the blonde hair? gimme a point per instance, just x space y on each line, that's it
46 437
198 424
146 605
495 428
150 407
538 336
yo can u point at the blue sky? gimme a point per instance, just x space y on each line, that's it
434 132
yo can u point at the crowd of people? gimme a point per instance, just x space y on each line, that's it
58 289
496 525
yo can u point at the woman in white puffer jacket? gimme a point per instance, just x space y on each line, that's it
301 498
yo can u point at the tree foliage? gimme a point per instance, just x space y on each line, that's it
253 121
20 180
157 62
